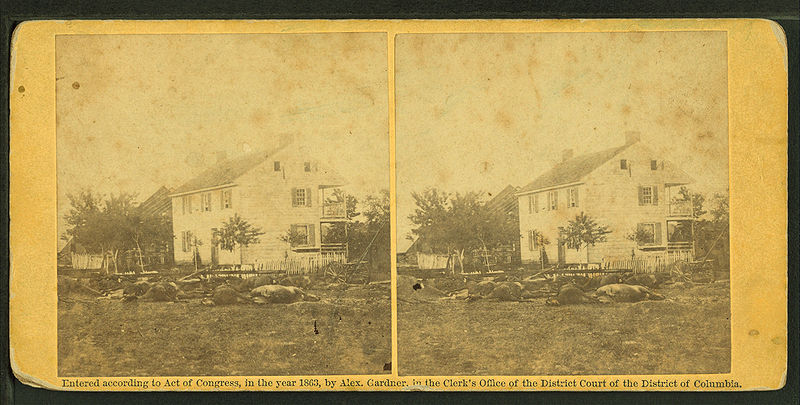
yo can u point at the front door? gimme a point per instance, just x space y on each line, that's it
562 253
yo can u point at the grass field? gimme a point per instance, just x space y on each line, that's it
347 332
689 332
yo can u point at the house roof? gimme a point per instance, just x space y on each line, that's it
505 201
223 173
572 170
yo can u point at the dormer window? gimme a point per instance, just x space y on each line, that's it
623 164
654 165
307 166
276 166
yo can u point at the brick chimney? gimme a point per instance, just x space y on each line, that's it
632 137
566 154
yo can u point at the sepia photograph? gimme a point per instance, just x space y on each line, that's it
562 203
223 204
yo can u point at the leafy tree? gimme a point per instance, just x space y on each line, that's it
583 231
455 223
102 225
236 232
712 233
150 233
640 235
350 202
369 236
697 199
294 238
541 241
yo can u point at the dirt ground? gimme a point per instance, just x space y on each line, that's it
347 332
688 332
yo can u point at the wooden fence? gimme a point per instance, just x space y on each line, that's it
85 261
306 264
427 261
648 264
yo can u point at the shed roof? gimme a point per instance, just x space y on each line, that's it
158 203
505 201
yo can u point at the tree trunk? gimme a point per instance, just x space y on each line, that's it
141 265
587 256
485 256
114 256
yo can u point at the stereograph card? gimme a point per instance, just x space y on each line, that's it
475 205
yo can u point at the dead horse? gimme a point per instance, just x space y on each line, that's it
627 293
279 294
570 294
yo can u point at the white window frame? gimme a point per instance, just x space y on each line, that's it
552 200
308 236
187 204
572 197
226 199
205 200
647 195
186 242
299 197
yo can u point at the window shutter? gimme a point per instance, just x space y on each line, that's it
655 195
536 203
230 198
183 241
658 233
312 241
641 200
555 198
292 233
294 197
530 204
576 196
308 197
221 199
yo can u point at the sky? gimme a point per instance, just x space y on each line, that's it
135 112
476 112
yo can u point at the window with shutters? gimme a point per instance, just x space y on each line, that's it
647 195
302 235
647 234
225 199
276 166
623 164
654 165
187 204
299 197
307 166
186 241
552 200
205 199
532 242
572 197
